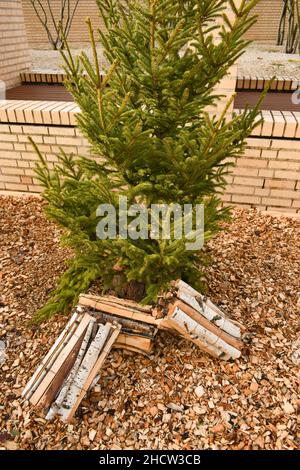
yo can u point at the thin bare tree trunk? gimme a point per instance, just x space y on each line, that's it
289 27
57 27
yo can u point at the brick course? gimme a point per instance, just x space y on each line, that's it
264 31
14 52
266 177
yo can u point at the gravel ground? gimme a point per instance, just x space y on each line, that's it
178 398
258 61
51 61
267 61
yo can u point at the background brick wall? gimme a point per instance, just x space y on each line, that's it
14 53
266 28
267 176
264 31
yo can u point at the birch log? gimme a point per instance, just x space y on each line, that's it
104 353
202 337
40 388
127 324
206 324
96 303
85 368
52 353
58 379
68 381
208 309
128 303
50 361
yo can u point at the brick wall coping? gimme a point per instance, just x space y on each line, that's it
46 76
277 124
43 76
56 113
259 83
242 83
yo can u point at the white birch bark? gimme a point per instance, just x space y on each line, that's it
87 364
51 356
207 309
68 381
113 335
212 315
210 340
69 343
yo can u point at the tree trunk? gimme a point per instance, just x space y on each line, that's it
132 290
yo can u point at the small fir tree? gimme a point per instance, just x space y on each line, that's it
146 119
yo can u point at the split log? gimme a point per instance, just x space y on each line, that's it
96 303
53 352
208 309
200 321
73 342
195 332
208 326
59 377
64 390
127 325
128 303
97 366
139 343
84 370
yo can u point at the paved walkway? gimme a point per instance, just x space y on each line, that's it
277 101
39 93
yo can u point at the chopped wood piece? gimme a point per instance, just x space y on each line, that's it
139 342
170 324
128 303
211 314
97 304
106 349
64 390
210 326
59 361
183 286
57 346
201 336
132 325
59 377
84 370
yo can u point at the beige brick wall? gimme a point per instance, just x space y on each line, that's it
14 53
17 157
264 31
78 33
266 177
266 28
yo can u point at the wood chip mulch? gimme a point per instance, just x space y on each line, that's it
178 398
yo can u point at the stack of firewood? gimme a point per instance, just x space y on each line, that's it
200 321
138 324
71 366
99 324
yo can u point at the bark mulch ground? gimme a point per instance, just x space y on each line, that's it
178 398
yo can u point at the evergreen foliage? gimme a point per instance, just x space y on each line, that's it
146 119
